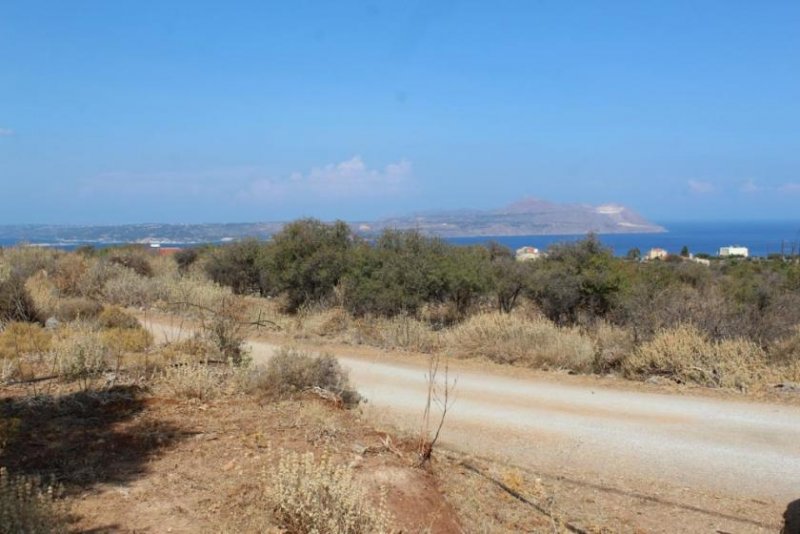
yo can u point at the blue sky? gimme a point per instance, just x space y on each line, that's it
196 111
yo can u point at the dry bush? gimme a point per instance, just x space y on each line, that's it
787 350
68 274
511 339
114 317
131 289
684 355
18 341
125 340
94 279
196 291
80 354
322 322
135 260
194 349
23 339
16 303
310 495
24 261
193 380
291 371
77 308
400 332
26 506
43 294
612 345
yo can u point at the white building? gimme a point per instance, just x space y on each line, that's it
733 250
656 254
528 253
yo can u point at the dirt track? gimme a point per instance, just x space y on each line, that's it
735 462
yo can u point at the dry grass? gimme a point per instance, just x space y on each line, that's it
130 289
612 345
685 355
193 380
23 339
124 340
396 333
43 293
316 495
18 343
510 339
26 506
79 353
114 317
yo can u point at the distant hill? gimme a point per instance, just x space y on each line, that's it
527 217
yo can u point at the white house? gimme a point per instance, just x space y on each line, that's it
656 254
734 250
528 253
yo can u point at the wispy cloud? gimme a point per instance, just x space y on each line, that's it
791 187
351 178
700 188
750 187
6 132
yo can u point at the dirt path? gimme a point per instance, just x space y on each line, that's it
734 463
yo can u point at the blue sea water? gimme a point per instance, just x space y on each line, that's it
761 237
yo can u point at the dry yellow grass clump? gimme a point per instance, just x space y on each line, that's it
318 496
400 332
685 355
537 342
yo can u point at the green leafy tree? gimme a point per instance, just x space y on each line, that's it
239 266
307 259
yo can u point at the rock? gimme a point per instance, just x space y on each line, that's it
788 387
52 323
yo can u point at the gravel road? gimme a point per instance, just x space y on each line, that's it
674 447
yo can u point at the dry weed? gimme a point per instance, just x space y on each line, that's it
512 339
612 345
401 332
28 506
80 354
684 354
311 495
193 380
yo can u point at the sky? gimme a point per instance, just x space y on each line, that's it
171 111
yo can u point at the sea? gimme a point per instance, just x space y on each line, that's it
760 237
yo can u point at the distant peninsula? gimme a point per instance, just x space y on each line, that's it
529 216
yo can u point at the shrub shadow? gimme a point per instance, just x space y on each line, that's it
84 438
791 518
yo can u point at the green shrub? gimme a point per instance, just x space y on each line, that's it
307 260
239 266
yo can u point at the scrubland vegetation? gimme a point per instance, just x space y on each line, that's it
71 342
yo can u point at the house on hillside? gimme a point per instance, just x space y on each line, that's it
656 254
733 250
528 253
157 249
